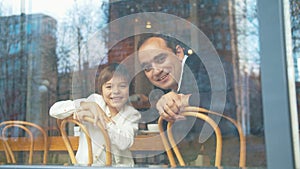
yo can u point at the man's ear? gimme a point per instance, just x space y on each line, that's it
179 52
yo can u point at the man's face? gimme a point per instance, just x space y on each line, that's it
160 64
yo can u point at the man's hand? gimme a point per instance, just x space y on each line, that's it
170 105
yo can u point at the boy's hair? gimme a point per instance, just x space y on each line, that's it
113 69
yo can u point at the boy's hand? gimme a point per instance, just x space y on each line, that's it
93 110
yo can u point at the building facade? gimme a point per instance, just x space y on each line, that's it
28 67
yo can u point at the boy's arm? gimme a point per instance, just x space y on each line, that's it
66 108
62 109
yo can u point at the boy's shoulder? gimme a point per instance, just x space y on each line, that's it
130 108
131 114
131 111
95 96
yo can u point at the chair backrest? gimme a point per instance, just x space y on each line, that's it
238 126
8 159
27 127
62 125
190 111
171 142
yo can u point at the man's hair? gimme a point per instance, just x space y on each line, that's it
170 41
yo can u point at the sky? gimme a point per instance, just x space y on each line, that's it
54 8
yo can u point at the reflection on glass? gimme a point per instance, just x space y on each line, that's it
295 30
50 53
294 50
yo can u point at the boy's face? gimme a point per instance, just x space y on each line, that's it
115 92
160 64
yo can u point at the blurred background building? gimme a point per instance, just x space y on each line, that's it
28 75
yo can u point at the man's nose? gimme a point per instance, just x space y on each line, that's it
156 70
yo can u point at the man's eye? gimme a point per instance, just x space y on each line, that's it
161 59
147 68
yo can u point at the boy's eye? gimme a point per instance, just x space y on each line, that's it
108 87
123 85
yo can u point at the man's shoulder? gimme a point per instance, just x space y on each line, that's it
191 59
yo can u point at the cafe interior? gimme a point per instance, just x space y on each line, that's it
54 51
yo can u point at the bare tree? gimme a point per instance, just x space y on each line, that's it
247 89
82 22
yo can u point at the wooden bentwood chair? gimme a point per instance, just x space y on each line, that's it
201 113
62 125
28 128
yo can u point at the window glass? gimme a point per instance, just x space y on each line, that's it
295 31
294 12
52 52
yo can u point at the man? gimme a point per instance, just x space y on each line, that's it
167 67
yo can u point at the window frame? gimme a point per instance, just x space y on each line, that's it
277 78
